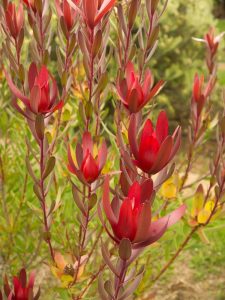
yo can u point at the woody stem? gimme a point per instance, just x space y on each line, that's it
120 280
174 257
83 238
43 201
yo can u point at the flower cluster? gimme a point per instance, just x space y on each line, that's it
43 93
88 167
132 93
156 147
94 11
131 218
67 13
201 93
14 19
22 290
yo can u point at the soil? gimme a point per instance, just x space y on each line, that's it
184 286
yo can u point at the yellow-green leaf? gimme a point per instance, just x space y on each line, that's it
198 201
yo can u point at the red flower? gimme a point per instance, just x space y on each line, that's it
14 19
67 12
131 218
212 41
21 289
201 93
132 93
95 10
43 92
156 147
89 168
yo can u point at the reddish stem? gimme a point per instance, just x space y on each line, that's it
170 262
93 278
83 239
120 280
145 53
216 165
43 200
127 47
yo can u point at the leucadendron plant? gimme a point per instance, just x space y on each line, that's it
79 77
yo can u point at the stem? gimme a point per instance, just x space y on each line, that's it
83 239
43 201
188 168
120 280
91 65
95 244
190 156
217 201
91 79
42 38
216 165
64 94
2 189
93 278
127 46
145 52
21 201
181 248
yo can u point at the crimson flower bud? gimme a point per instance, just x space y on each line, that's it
134 94
131 218
88 167
156 148
67 12
212 41
201 93
95 10
21 289
14 19
43 92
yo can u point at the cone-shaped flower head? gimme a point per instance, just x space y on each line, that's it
134 94
212 41
68 13
95 10
43 92
14 19
22 290
200 92
131 218
155 148
88 167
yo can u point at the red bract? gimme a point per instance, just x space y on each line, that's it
131 218
30 4
134 94
201 92
95 10
21 289
89 167
43 98
213 41
67 12
156 148
14 19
